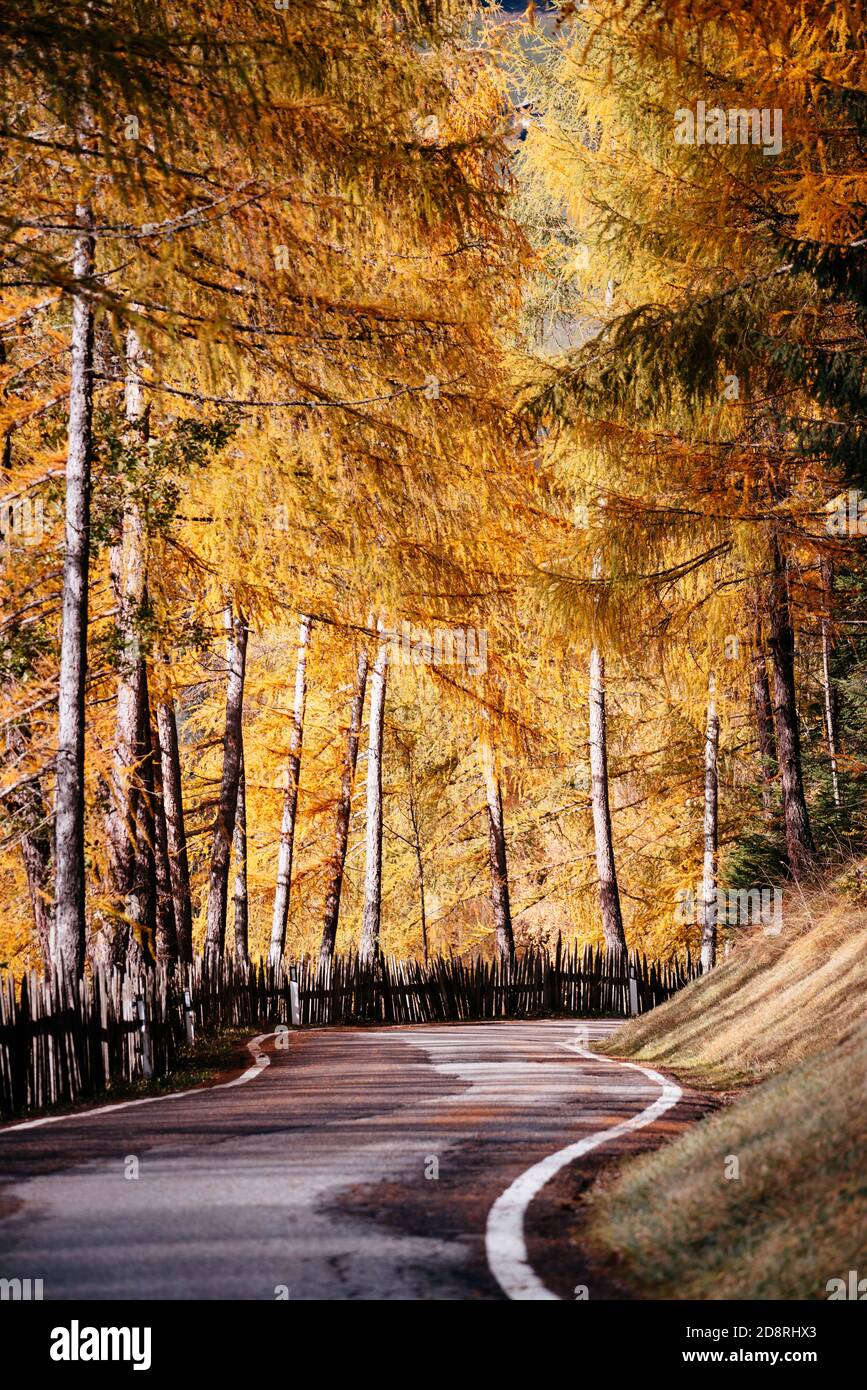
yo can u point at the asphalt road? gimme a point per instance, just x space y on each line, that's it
358 1164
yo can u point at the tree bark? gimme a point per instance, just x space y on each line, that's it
136 940
344 811
609 893
781 641
31 819
239 852
166 926
129 578
505 941
711 836
290 802
413 816
175 828
764 718
370 921
827 686
68 929
224 826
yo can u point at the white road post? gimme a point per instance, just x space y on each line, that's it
633 994
189 1019
147 1064
294 997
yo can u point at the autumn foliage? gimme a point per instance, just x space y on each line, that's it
432 440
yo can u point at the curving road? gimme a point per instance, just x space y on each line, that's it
434 1162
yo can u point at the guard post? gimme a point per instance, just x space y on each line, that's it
294 997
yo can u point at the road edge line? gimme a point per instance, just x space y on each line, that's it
505 1244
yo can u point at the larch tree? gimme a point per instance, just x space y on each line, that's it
680 383
290 799
344 810
371 918
224 825
709 880
499 868
244 270
240 894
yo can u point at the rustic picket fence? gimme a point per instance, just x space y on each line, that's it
61 1040
584 983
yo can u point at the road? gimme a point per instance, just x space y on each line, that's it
395 1163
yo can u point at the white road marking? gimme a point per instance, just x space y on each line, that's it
505 1244
260 1061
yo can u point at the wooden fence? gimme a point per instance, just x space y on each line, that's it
584 984
62 1040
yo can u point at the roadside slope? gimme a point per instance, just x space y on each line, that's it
768 1197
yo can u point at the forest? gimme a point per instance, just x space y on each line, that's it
434 442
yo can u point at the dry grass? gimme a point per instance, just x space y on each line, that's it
788 1012
774 1002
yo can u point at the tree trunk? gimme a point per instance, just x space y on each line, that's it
129 826
799 839
166 926
224 826
371 915
609 894
711 836
420 865
137 941
505 941
176 838
31 819
68 929
290 802
827 687
129 579
344 810
239 850
123 812
764 717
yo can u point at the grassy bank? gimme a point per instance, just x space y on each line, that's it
767 1198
